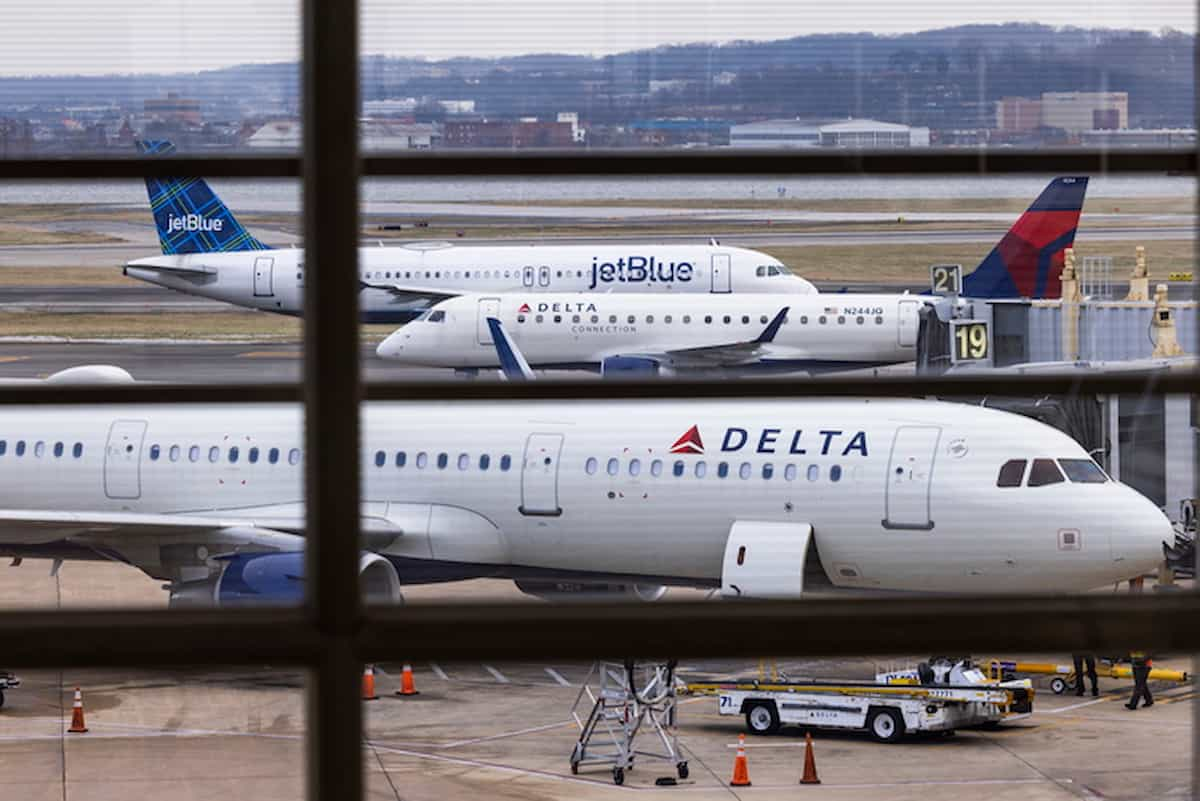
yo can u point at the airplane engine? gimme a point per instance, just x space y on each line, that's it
277 579
631 367
560 591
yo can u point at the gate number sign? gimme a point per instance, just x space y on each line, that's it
946 279
971 341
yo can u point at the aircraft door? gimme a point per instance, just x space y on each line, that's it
539 475
488 307
527 276
123 458
908 320
721 272
909 477
264 277
543 276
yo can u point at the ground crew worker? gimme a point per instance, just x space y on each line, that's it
1141 664
1080 659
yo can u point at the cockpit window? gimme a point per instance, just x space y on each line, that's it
773 270
760 271
1043 472
783 269
431 316
1083 471
1011 473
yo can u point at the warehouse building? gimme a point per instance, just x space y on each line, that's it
849 133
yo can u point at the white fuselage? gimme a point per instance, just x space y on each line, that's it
901 495
393 277
824 331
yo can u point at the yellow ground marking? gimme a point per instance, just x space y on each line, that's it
7 359
271 354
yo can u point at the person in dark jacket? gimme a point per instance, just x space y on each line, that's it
1141 664
1080 660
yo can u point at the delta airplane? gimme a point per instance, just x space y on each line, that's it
757 498
207 252
641 333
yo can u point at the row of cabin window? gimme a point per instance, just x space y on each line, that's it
1046 471
700 469
421 460
233 455
39 449
708 319
408 274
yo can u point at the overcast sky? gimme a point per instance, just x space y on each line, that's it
123 36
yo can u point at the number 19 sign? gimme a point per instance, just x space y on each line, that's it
971 341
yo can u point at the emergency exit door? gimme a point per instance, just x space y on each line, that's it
264 277
539 475
488 307
910 477
721 272
123 459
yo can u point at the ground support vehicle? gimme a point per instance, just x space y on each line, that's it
939 700
7 682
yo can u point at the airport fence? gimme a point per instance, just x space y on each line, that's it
333 635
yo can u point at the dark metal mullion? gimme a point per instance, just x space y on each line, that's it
550 389
1102 623
332 393
568 163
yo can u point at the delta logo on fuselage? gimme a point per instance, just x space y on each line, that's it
640 269
194 222
568 307
774 440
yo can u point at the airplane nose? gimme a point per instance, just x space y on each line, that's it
391 347
1138 534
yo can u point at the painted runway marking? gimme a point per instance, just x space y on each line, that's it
270 354
437 671
506 734
1079 705
8 359
497 675
554 674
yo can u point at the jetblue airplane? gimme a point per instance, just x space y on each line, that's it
765 498
207 252
656 334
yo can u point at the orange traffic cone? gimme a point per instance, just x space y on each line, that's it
810 762
406 682
368 683
741 771
77 724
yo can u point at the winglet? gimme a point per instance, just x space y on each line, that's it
512 364
768 334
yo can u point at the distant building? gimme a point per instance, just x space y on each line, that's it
374 135
578 134
457 106
1018 114
507 133
851 133
679 132
1140 137
1076 112
390 107
173 108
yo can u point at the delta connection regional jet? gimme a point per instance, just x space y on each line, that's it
207 252
667 334
754 498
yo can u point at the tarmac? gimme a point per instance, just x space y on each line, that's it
505 730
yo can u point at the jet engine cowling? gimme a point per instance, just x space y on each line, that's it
630 367
573 591
277 579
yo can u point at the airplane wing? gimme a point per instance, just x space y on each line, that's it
725 354
409 292
513 366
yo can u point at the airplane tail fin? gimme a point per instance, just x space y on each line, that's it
1028 261
189 216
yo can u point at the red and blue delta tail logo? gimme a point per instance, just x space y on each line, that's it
689 442
1029 259
524 309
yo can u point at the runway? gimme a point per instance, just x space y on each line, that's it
192 362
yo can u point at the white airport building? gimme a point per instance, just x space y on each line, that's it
849 133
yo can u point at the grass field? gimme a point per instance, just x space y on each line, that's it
18 235
233 325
